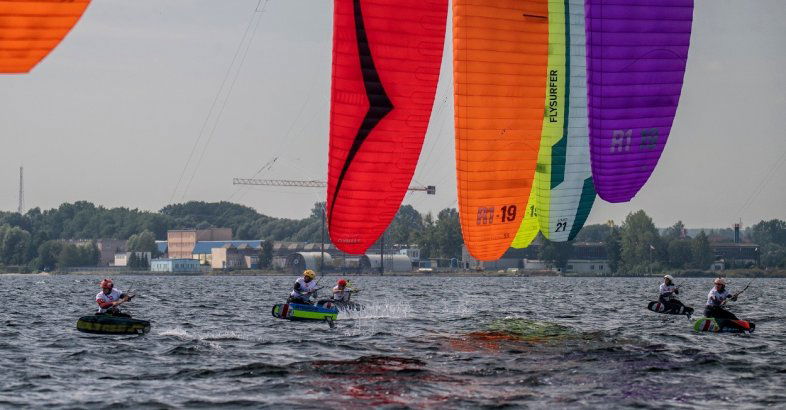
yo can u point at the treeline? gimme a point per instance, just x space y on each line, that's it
23 236
17 247
637 247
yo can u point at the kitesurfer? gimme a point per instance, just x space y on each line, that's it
716 299
667 291
110 298
304 287
340 292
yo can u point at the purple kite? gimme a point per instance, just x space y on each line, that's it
637 51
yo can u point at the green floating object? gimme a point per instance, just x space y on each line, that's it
112 325
296 311
708 324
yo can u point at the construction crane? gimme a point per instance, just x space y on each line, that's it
428 189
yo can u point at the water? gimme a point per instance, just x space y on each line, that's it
423 342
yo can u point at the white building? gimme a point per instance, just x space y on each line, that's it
595 267
174 265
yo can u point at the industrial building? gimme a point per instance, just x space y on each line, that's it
586 258
203 250
230 256
736 255
181 242
106 248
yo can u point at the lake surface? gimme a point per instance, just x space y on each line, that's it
421 343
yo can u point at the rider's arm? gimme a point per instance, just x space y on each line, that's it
104 304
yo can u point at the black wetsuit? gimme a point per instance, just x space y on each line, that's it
714 307
114 311
299 299
718 312
671 304
715 310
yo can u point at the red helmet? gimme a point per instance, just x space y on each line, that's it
106 284
342 282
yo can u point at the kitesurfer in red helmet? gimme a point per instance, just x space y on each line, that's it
341 293
110 298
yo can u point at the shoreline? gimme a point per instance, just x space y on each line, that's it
457 274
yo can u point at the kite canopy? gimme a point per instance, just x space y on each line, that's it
31 29
564 177
637 51
500 50
386 61
563 193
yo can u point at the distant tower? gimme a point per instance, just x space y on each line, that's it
21 207
737 237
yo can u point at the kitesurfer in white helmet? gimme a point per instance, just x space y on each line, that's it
667 297
304 288
110 298
716 299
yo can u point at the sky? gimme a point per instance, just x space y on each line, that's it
153 102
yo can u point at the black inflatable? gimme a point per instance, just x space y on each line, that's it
112 325
658 307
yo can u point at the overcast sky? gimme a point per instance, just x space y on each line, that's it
113 115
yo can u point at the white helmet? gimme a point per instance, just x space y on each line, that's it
720 281
669 278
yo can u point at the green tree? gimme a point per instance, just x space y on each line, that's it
426 238
447 230
405 226
614 249
593 233
767 232
640 243
13 245
555 254
69 256
48 254
674 232
773 255
701 251
266 254
143 242
89 254
142 262
133 261
680 253
210 214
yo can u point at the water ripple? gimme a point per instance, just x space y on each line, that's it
510 342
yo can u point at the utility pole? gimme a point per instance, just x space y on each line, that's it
382 255
21 206
322 257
